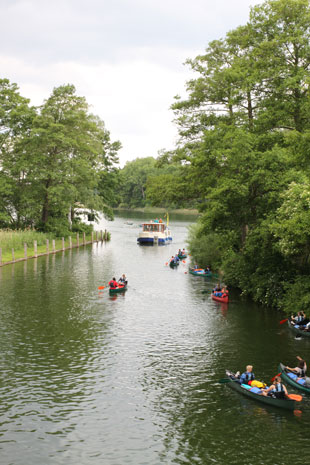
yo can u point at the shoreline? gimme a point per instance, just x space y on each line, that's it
181 211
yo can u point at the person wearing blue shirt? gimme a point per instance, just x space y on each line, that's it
248 375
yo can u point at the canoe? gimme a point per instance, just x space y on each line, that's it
287 379
224 300
182 256
173 264
118 289
297 330
201 272
233 383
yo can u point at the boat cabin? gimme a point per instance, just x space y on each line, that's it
153 227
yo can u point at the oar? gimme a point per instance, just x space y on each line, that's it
296 397
283 321
272 379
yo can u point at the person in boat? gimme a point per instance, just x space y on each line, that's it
172 259
176 259
156 220
160 220
207 270
277 389
123 280
217 290
247 376
300 370
224 291
299 318
113 283
195 267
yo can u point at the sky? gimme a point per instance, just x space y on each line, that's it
126 57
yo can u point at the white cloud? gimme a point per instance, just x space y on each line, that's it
124 56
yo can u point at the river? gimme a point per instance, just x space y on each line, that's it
133 379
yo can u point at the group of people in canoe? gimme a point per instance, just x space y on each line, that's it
220 291
177 257
122 282
277 389
300 321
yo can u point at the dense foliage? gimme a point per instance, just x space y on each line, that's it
153 182
54 159
244 143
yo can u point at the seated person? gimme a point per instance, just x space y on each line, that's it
300 370
113 283
123 280
248 375
277 389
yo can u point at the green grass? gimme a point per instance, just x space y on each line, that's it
16 239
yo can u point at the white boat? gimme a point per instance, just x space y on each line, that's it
154 233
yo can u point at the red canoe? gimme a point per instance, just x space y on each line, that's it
220 299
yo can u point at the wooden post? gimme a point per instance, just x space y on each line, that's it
47 245
101 235
77 239
25 250
35 248
96 236
63 243
92 236
13 256
0 256
54 248
84 239
70 242
105 235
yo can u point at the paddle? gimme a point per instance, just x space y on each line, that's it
101 287
283 321
296 397
272 379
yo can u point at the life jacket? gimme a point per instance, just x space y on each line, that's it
113 284
248 376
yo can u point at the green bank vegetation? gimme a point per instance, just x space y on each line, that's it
244 144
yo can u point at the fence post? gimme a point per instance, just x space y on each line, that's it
35 248
47 245
0 256
53 245
101 235
77 239
96 236
92 237
13 256
105 235
70 242
84 239
25 250
63 243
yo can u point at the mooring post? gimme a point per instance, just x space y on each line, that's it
101 235
0 256
77 239
63 243
35 248
96 236
13 256
84 239
25 250
47 245
105 235
53 245
70 242
92 237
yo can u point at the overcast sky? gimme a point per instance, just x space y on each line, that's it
125 56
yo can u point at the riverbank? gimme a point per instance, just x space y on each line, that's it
158 210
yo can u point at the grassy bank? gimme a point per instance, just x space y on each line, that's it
16 239
162 211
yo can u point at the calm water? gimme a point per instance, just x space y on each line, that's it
90 379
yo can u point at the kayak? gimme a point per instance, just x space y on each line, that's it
296 330
290 378
115 290
253 393
201 272
173 264
223 299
